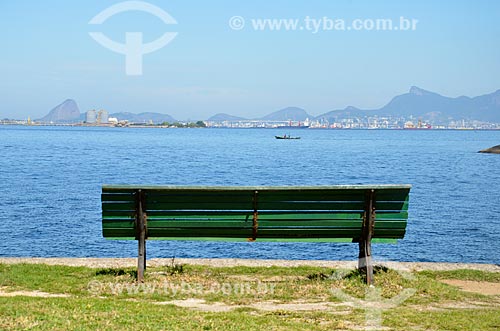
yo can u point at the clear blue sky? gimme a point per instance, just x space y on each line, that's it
48 56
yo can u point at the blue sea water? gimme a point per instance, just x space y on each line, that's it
51 177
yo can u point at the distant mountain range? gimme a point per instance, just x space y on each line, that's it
285 114
417 103
429 105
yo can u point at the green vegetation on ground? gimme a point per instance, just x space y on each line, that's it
198 124
43 297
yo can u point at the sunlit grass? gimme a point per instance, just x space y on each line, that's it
110 298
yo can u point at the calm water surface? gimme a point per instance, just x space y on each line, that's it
51 177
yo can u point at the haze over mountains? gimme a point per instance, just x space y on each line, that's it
285 114
421 103
417 103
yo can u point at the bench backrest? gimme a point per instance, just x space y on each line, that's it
322 213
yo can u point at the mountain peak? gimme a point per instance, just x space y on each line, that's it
289 113
225 117
418 91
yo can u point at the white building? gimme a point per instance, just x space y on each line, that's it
102 117
91 117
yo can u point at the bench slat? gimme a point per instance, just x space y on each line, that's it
275 215
247 233
262 206
268 196
125 197
290 240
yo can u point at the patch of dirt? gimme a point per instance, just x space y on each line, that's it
39 294
463 305
486 288
200 304
447 305
271 279
298 306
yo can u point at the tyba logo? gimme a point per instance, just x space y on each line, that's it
133 49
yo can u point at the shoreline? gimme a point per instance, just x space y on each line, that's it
224 262
157 126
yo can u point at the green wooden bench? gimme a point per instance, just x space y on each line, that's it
362 214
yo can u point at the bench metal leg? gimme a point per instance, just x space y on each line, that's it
365 243
365 260
141 260
141 229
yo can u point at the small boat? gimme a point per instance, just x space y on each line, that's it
286 137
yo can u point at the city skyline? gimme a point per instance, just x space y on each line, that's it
427 106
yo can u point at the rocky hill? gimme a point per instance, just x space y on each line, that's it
66 112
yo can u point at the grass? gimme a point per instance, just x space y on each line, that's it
110 299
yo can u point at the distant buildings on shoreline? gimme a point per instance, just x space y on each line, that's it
102 118
375 122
